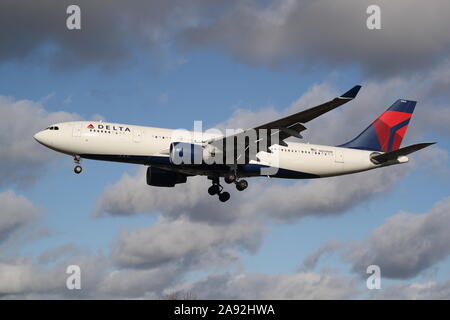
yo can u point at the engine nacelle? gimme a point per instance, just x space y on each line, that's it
182 153
162 178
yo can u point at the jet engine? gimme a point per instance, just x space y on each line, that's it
182 153
162 178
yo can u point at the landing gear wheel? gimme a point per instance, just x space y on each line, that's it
241 185
230 177
214 189
224 196
78 168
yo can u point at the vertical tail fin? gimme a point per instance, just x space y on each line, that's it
387 131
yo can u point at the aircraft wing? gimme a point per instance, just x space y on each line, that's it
312 113
286 127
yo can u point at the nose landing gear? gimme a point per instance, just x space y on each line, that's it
78 168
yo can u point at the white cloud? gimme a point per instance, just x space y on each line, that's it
16 213
186 243
24 278
301 285
416 291
285 32
116 31
404 246
141 283
20 276
269 33
22 158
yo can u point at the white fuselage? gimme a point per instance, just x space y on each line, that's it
149 146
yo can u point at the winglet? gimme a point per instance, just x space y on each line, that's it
351 94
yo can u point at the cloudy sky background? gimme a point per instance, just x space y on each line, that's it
229 64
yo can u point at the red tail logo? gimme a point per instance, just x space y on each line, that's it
390 128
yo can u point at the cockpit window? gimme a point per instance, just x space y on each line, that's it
52 128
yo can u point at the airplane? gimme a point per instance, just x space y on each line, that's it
174 155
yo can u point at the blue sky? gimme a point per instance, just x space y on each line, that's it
214 81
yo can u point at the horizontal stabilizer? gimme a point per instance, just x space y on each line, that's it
393 155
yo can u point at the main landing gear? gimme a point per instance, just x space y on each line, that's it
231 177
78 168
217 188
241 185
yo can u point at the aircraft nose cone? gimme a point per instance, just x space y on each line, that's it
42 137
38 136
